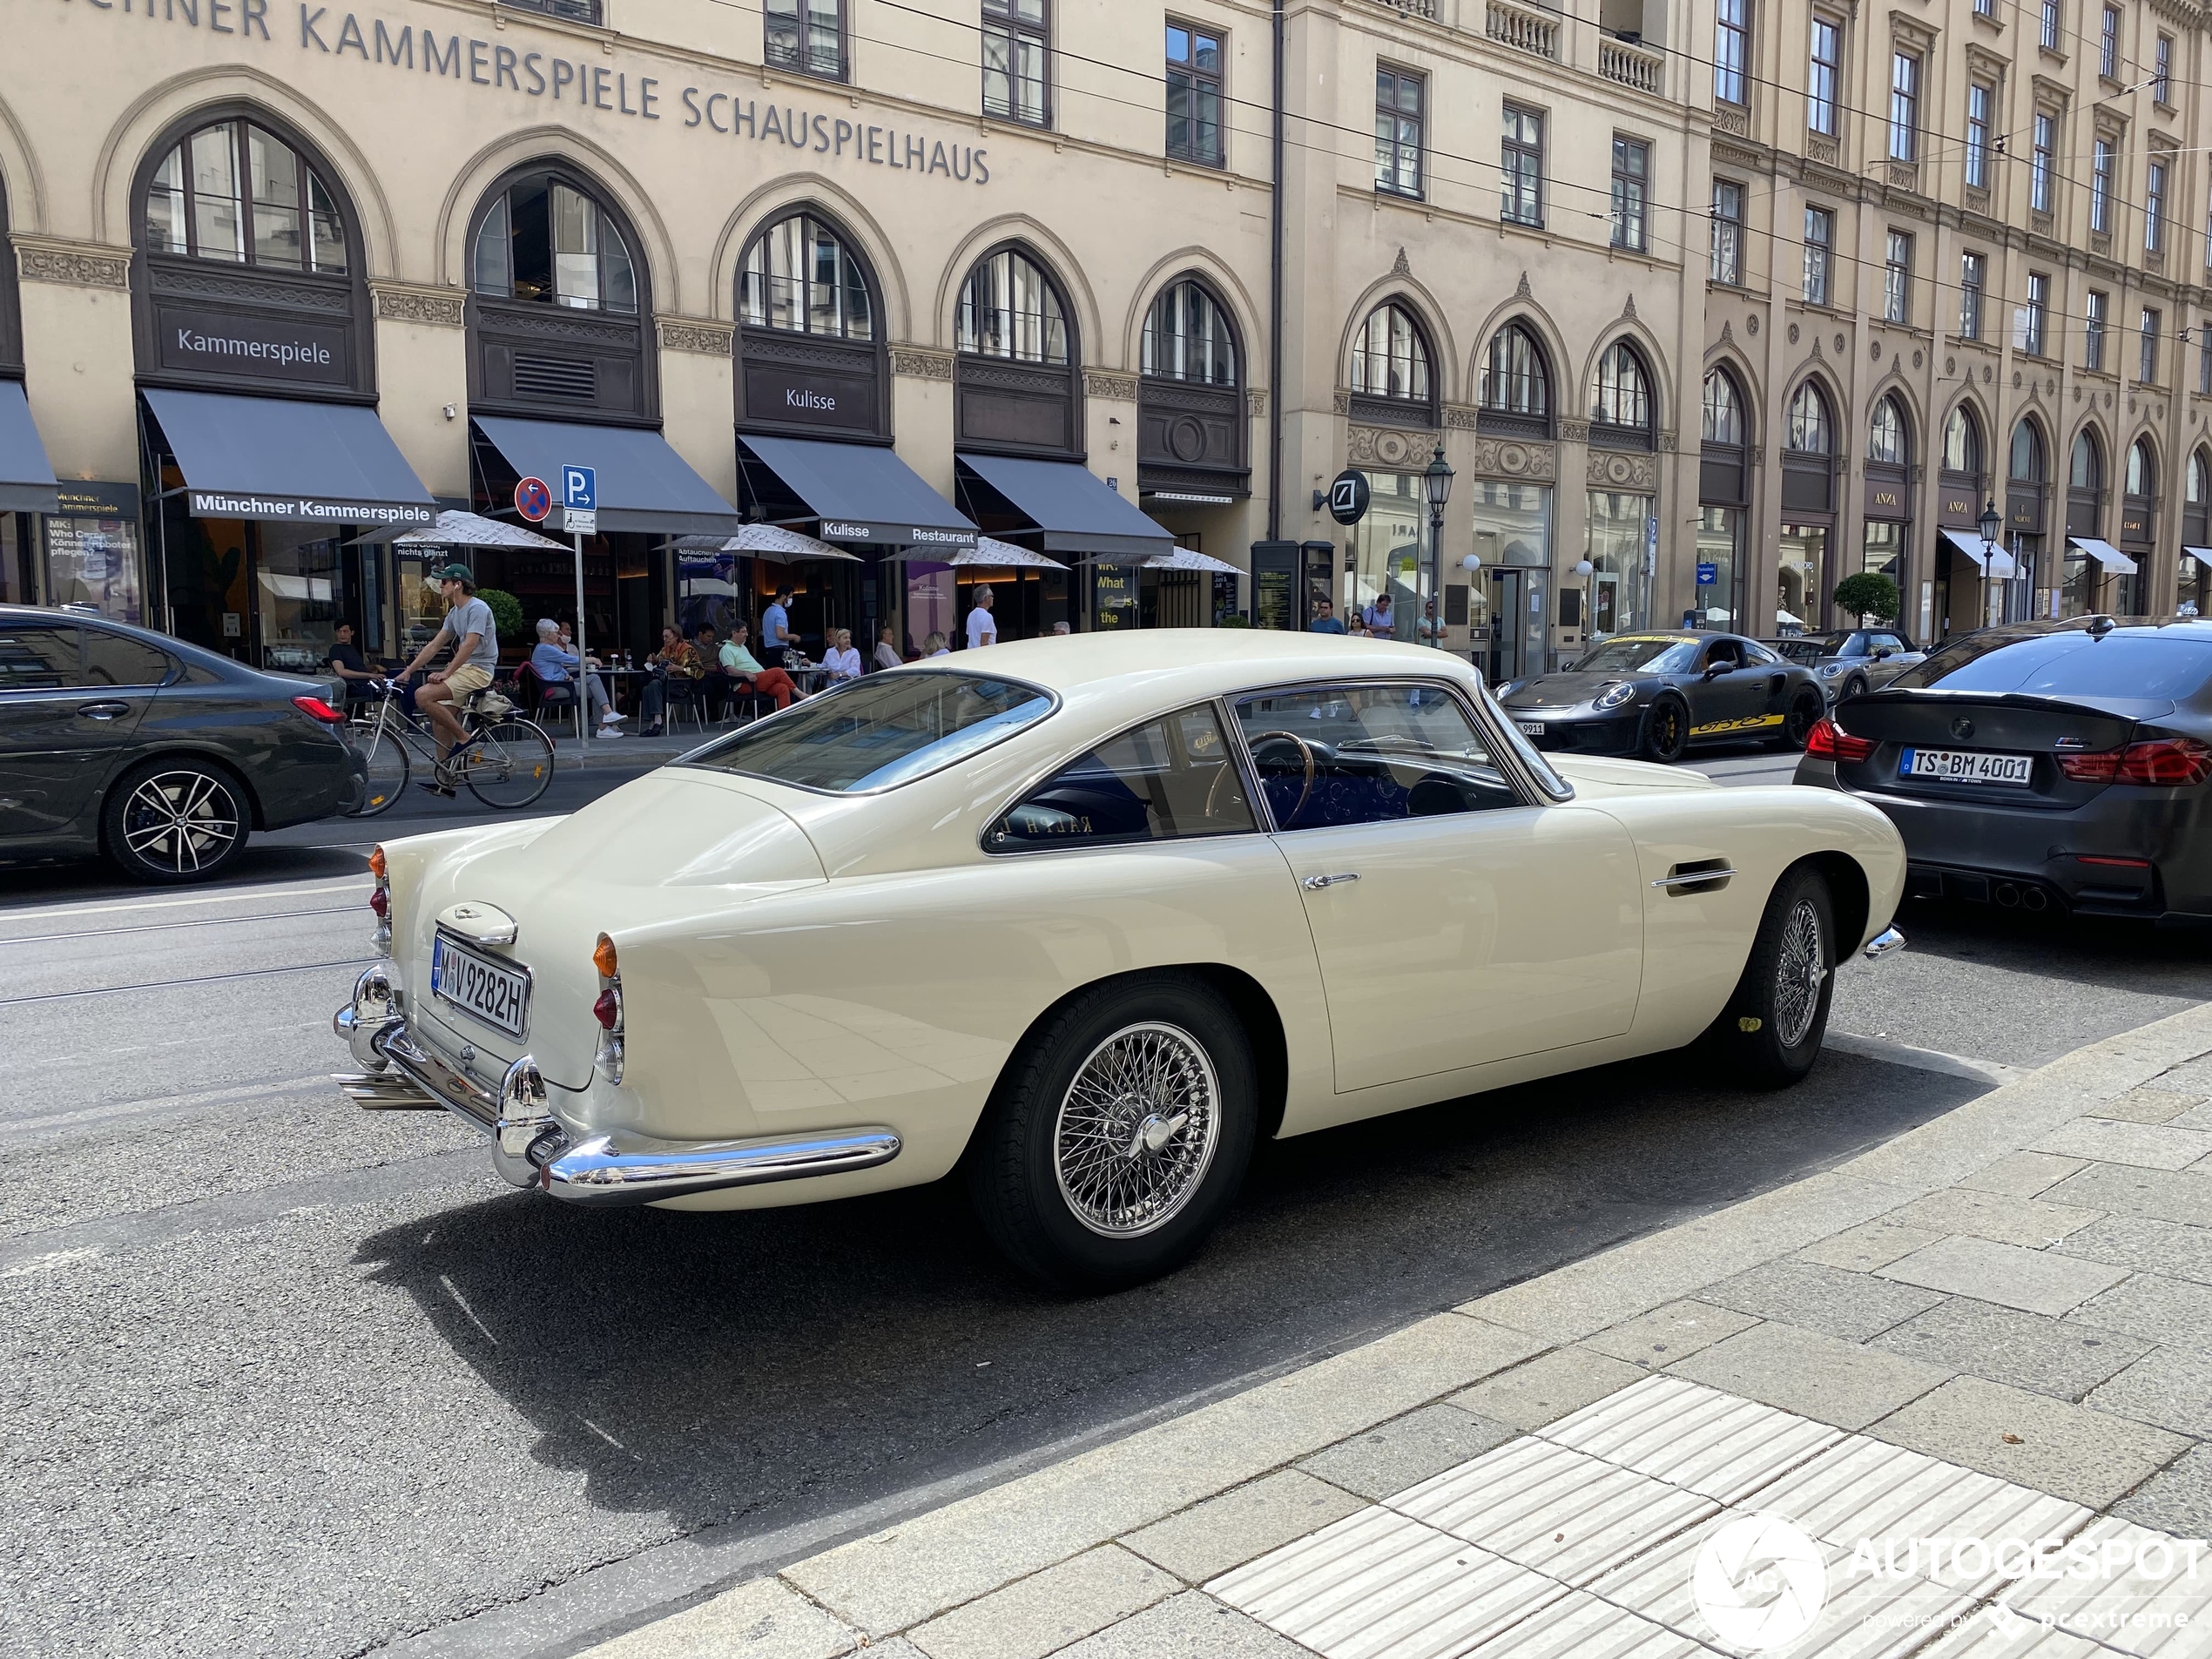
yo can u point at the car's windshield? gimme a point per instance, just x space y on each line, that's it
1807 651
2138 664
1639 653
878 731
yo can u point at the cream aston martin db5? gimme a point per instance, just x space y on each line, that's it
1083 919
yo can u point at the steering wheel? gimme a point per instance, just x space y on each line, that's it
1305 756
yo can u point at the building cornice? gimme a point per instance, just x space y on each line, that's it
74 265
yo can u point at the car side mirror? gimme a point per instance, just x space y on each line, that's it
1885 654
1713 670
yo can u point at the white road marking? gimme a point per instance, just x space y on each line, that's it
167 1103
228 896
1903 1054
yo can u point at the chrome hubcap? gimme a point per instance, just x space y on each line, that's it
1799 975
1136 1129
181 821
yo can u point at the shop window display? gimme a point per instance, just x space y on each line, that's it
94 561
1620 578
1387 548
1803 562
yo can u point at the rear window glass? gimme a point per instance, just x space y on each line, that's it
2143 666
879 732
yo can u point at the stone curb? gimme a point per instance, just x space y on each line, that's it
871 1590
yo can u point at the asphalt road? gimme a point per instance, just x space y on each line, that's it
287 1377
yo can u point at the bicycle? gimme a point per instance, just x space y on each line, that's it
506 761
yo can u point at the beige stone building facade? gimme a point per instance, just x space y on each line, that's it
918 279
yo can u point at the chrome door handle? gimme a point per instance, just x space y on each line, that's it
1315 883
1714 875
102 711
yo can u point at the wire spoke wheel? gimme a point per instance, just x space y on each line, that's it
1136 1129
1798 970
180 823
384 755
507 764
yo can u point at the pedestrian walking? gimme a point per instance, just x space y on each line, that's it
983 628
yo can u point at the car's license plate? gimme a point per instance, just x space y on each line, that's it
493 991
1532 728
1965 766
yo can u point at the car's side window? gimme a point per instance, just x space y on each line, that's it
1886 642
1167 780
1759 655
40 657
1369 754
1719 653
118 659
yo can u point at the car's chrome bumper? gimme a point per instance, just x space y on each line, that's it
1884 942
532 1146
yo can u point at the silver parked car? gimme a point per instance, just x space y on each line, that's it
1850 661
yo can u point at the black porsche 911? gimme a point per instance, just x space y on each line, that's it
2044 766
1658 694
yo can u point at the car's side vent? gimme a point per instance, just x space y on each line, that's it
564 378
1697 875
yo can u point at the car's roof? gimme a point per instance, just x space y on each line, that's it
1158 666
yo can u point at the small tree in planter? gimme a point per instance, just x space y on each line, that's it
507 617
1870 595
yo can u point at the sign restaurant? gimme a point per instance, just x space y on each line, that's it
464 60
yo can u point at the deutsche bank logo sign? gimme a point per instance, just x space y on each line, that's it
1348 496
580 488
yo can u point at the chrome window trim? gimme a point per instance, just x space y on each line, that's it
1051 698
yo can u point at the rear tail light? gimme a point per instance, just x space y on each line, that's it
379 902
2161 763
315 709
1828 741
607 1009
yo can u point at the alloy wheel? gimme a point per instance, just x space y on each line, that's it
181 822
1136 1129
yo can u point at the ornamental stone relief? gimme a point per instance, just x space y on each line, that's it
920 365
1390 447
433 307
1507 458
1574 431
1114 388
72 267
1256 401
704 340
1610 469
1460 419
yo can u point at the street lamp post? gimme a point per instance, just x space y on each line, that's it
1989 524
1436 482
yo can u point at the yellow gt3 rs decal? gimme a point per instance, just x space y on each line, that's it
1750 723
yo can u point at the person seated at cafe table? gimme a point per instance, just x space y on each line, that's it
935 645
676 659
714 685
351 667
556 664
748 676
886 650
843 658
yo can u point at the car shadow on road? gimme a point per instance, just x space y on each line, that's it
74 880
751 1370
2108 951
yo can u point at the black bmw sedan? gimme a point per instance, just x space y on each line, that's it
2044 766
1659 694
161 756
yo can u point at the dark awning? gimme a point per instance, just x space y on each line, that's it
1071 505
861 492
26 477
642 484
283 458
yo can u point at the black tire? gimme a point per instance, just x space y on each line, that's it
1805 710
175 820
508 764
1665 730
1852 687
385 763
1034 1202
1769 1003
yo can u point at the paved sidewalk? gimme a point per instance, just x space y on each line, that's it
1997 1327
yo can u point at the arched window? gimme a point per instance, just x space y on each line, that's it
2200 483
800 277
1188 337
1620 392
1389 356
546 240
235 191
2027 453
2087 473
1885 440
1009 307
1811 432
1724 411
2142 469
1516 381
1962 442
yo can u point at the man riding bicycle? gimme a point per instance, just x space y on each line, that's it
468 627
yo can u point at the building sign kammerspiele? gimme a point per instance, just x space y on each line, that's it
468 61
308 353
305 509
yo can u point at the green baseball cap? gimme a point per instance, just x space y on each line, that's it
454 573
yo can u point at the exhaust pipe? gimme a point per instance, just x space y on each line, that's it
2006 894
2035 898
